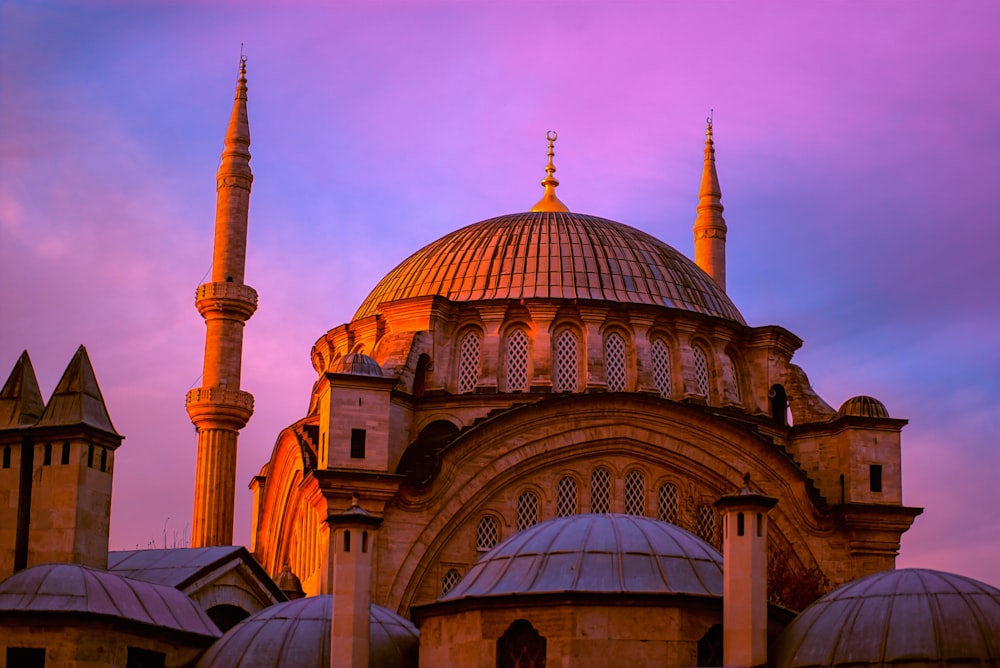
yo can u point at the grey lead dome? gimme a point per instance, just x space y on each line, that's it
912 617
610 553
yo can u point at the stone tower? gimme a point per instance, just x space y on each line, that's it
56 470
219 408
709 225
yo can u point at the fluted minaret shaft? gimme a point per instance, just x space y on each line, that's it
219 408
709 225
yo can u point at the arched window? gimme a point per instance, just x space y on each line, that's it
635 493
487 533
706 525
735 387
517 361
667 505
600 491
567 362
701 372
566 497
521 646
779 404
450 579
468 363
527 510
614 360
661 367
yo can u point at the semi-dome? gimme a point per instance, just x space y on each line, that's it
552 254
621 554
863 406
357 364
297 633
907 616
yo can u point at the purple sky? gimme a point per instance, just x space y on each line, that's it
859 156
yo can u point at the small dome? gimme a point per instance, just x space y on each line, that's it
83 591
553 255
862 406
357 364
297 633
289 583
596 554
908 616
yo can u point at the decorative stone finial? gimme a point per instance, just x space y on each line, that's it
549 201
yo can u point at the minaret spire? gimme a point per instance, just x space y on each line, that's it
219 408
549 201
709 225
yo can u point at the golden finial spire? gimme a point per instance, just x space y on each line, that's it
709 225
549 201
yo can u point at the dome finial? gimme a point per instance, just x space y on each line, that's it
549 201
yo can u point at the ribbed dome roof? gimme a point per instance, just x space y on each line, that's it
625 554
357 364
863 406
297 633
903 617
553 255
84 591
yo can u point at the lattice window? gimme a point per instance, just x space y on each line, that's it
566 497
667 505
521 646
517 361
635 493
487 533
567 367
600 491
527 510
701 371
614 359
661 367
706 524
468 363
450 579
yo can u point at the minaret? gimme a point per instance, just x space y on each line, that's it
709 225
549 201
744 574
219 409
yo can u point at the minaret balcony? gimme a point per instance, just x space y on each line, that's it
235 299
231 408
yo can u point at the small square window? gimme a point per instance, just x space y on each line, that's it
26 657
358 443
875 477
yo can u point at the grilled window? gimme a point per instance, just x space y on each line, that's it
635 493
517 361
661 367
566 497
567 362
468 364
600 491
614 359
527 510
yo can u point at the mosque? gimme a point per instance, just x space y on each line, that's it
545 439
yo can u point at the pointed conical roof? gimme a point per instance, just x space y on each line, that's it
710 194
236 151
77 399
21 402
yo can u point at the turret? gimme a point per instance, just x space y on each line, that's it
57 467
709 225
219 408
744 589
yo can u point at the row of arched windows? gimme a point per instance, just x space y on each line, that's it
528 507
566 364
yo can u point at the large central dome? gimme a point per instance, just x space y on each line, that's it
553 255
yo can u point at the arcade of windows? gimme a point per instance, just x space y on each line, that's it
703 522
567 355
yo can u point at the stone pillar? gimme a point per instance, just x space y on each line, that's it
542 316
744 556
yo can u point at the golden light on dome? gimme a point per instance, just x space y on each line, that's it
549 201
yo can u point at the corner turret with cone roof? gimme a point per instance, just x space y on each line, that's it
709 225
57 466
219 408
